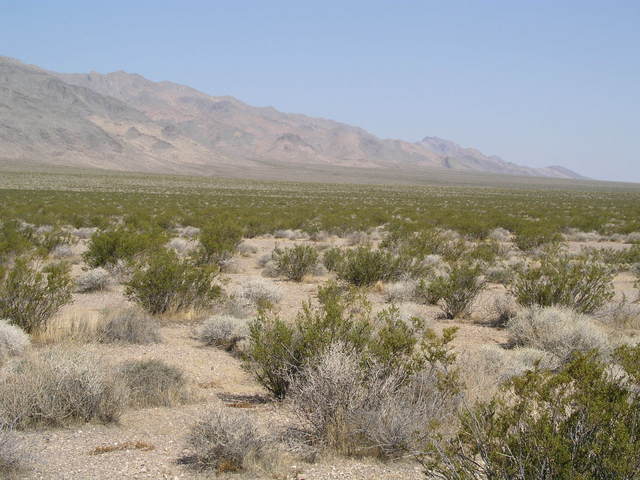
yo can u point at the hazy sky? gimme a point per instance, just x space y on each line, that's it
535 82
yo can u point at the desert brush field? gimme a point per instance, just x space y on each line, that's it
158 326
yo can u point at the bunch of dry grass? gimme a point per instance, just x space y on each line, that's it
11 455
379 412
559 331
153 383
13 341
59 387
226 442
128 325
260 291
222 331
483 370
398 292
622 314
92 281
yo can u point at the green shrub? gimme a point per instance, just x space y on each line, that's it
14 240
165 283
457 291
579 423
582 283
29 298
364 266
295 262
219 240
278 350
106 248
332 259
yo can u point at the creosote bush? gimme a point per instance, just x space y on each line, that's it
60 387
106 248
364 266
277 350
29 298
128 325
295 262
582 283
153 383
165 283
225 441
218 241
579 422
456 291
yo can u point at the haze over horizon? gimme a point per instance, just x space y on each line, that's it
534 83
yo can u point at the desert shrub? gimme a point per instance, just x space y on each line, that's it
165 283
92 280
153 383
277 350
502 309
246 249
222 331
365 266
580 422
225 441
60 387
219 240
13 341
557 330
11 455
14 240
181 246
423 293
260 292
484 369
369 410
295 262
400 291
62 251
621 314
332 259
583 283
106 248
128 325
457 291
29 298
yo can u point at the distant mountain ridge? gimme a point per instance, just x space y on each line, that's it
124 121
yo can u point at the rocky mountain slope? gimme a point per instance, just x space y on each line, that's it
126 122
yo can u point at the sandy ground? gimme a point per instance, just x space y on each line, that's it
216 378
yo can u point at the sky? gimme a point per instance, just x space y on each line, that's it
535 82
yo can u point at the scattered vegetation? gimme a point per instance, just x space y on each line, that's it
456 291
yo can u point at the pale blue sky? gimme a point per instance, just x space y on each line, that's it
535 82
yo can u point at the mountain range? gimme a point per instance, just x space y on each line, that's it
123 121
